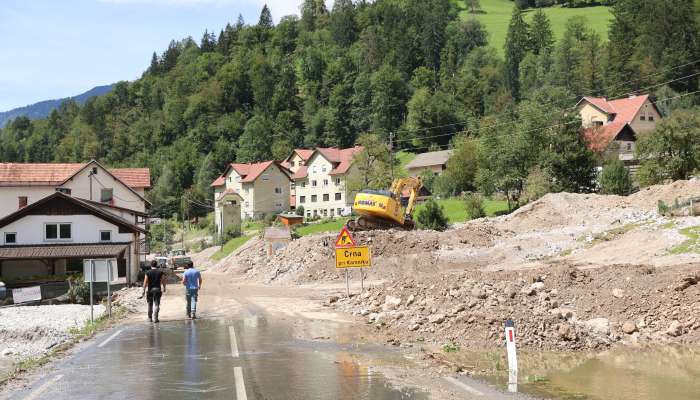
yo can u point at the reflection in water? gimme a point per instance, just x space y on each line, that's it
662 372
192 368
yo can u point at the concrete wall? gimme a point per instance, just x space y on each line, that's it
85 229
318 170
122 196
13 270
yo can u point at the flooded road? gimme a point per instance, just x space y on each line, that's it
213 359
625 373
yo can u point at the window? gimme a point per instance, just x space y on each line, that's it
325 213
10 237
303 184
266 177
302 199
313 198
106 195
54 231
64 191
337 181
291 163
340 211
597 123
326 197
629 146
230 179
325 182
650 117
332 212
105 236
313 169
642 117
313 183
308 214
323 169
338 196
23 201
278 190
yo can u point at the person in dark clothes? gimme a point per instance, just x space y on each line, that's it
152 283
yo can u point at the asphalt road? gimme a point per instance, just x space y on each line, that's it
211 359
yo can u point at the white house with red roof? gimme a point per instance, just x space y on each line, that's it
614 125
121 190
320 184
293 163
263 187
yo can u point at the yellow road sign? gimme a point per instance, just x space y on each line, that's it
353 257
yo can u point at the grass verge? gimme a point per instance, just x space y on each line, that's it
456 212
230 246
330 226
692 244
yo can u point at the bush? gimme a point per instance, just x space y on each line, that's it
231 232
537 184
474 205
79 291
269 219
432 216
615 179
300 211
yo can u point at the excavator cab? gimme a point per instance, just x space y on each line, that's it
383 209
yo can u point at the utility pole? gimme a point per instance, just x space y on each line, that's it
391 150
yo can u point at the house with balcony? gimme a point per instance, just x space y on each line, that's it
53 216
263 188
320 184
612 127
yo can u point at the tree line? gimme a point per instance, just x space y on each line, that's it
357 73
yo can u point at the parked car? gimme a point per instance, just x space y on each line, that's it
3 290
162 262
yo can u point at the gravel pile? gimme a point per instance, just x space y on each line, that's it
560 308
32 330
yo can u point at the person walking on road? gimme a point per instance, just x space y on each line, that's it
152 283
192 280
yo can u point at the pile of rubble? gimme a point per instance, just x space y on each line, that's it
561 308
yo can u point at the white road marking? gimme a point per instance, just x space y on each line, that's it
109 339
35 394
464 386
234 343
240 384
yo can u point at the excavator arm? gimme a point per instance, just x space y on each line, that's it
414 185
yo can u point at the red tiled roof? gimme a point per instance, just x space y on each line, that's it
598 138
305 154
47 174
87 250
226 193
623 109
301 173
250 172
133 177
220 181
341 158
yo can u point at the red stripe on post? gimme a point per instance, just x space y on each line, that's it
510 335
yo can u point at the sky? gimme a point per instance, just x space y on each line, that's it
52 49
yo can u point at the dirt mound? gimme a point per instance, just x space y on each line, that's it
554 308
648 198
556 210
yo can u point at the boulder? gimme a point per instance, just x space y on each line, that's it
391 303
537 286
629 327
600 326
675 329
567 332
410 300
618 293
436 318
333 299
479 293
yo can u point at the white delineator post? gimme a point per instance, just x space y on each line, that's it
512 357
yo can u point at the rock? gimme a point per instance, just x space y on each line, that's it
436 318
537 286
479 293
414 327
458 309
364 312
7 352
333 299
410 300
618 293
629 327
567 332
528 291
391 303
675 329
600 326
510 292
688 282
372 317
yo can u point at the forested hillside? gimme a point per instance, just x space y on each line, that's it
254 91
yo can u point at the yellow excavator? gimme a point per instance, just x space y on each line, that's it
382 209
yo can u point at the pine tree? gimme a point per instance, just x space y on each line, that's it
516 46
154 69
474 6
170 56
541 36
265 20
342 23
622 39
208 43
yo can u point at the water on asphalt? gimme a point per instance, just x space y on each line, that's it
197 360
